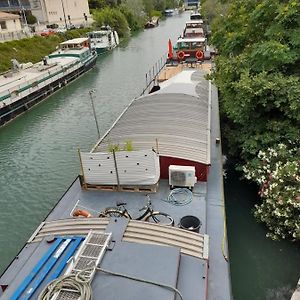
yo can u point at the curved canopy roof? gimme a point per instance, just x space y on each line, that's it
175 119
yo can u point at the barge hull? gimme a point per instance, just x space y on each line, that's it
10 112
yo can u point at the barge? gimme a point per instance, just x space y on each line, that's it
28 84
103 40
162 140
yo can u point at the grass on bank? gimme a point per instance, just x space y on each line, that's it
33 49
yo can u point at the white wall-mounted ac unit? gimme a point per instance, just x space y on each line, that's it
182 176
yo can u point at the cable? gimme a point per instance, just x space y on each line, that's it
142 280
186 197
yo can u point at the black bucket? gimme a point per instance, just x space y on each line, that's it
190 223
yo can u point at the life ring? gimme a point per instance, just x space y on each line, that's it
180 55
81 213
199 54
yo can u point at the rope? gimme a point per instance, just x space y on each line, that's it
186 197
142 280
80 284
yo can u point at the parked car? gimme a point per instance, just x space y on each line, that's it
52 26
61 30
47 32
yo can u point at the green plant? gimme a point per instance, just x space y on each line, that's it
112 17
128 146
113 147
277 172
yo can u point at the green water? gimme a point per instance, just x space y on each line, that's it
38 161
260 268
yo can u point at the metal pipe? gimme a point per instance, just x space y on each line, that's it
94 112
63 8
116 168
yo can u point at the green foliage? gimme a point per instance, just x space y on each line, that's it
31 19
277 172
257 73
114 18
135 22
258 76
22 50
114 147
128 146
156 13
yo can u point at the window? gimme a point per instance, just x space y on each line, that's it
3 24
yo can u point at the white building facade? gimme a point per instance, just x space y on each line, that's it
61 12
10 26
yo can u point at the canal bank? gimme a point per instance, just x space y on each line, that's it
38 156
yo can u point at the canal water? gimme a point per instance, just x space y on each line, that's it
38 161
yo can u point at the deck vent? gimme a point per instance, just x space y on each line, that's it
89 254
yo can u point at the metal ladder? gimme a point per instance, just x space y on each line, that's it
89 255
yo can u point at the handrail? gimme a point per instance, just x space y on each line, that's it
154 71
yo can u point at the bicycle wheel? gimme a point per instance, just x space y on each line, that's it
160 217
114 212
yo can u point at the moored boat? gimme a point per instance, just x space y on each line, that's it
169 12
104 39
191 49
28 84
193 29
195 16
160 140
153 22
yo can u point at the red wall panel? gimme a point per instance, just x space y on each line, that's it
165 161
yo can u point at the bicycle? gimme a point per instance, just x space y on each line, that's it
149 215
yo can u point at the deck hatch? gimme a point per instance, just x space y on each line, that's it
190 243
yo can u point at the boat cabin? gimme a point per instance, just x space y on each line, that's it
196 16
79 47
75 44
193 29
190 48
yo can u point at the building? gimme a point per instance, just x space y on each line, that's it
61 12
10 26
14 5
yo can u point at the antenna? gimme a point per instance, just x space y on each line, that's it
91 92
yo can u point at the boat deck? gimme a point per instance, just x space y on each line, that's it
194 263
171 70
25 79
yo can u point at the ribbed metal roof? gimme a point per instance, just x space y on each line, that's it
176 118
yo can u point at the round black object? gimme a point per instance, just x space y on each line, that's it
190 223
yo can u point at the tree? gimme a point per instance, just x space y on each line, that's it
112 17
258 76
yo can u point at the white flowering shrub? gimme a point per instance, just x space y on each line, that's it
277 172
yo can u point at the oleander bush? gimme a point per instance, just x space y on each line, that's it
277 173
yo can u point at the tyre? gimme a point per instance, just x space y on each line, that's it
114 212
161 218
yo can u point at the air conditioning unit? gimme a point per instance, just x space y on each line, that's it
182 176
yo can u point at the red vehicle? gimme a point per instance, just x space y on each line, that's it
47 32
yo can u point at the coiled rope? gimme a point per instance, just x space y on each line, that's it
81 284
179 197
